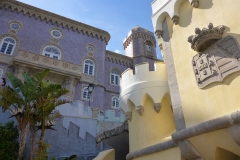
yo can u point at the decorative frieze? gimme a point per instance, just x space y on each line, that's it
54 18
40 61
119 59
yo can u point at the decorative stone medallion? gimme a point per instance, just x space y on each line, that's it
15 25
90 48
217 62
56 33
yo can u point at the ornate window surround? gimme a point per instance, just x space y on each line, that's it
52 54
8 45
13 37
95 65
49 45
90 65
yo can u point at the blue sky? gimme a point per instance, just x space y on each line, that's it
114 16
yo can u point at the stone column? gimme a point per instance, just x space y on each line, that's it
70 84
19 70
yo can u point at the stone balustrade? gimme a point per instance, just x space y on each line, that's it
55 65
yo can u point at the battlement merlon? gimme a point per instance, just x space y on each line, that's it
144 83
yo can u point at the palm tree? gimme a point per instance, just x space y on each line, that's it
19 99
48 99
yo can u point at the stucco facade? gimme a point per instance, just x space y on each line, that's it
199 41
32 39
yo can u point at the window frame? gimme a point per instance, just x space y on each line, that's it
115 102
51 54
88 65
148 46
87 94
115 75
7 47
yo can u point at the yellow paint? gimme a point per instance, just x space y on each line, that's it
106 155
219 98
152 127
208 143
199 105
171 154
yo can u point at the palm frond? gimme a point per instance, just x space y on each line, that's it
16 83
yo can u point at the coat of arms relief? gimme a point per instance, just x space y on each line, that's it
217 57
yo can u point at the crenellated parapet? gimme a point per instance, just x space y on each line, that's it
137 86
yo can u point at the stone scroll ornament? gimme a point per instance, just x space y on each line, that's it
217 57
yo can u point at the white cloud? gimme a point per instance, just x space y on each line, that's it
117 51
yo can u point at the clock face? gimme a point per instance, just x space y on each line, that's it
90 48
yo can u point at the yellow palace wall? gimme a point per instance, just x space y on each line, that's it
198 105
151 127
218 98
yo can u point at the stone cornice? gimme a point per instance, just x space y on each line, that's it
118 57
54 18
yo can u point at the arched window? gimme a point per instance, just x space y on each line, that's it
115 103
7 45
88 67
1 73
86 94
52 51
114 77
148 46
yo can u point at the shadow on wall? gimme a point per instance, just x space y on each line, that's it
229 57
186 14
222 154
205 4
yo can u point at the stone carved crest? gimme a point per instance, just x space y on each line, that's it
205 37
217 61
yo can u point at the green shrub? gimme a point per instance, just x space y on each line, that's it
8 141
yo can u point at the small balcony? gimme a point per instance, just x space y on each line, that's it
37 61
